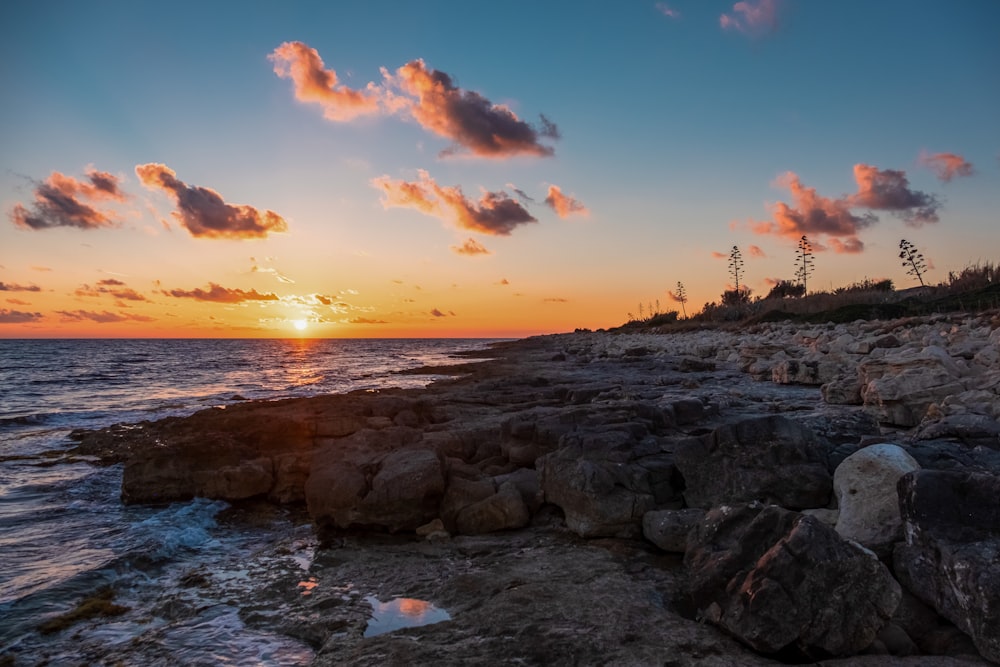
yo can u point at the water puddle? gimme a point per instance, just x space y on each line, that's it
401 613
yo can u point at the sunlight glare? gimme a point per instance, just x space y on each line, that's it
299 324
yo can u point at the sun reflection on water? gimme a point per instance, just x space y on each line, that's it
402 613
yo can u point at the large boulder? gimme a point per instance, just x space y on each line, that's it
951 557
669 529
771 459
900 386
865 486
783 582
606 481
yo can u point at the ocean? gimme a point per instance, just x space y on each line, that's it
180 572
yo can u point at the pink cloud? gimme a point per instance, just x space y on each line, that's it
15 287
315 84
946 165
220 294
471 247
64 201
203 212
496 213
564 205
719 255
755 251
750 17
103 317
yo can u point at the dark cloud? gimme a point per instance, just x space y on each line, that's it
889 190
220 294
110 286
17 316
103 317
203 212
14 287
495 213
439 313
475 124
64 201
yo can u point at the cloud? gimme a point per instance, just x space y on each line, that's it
496 213
220 294
719 255
315 84
281 278
17 316
555 299
14 287
103 317
475 124
564 205
437 313
503 281
203 212
18 302
64 201
365 320
946 165
815 215
521 194
755 251
889 190
667 10
751 17
471 247
115 288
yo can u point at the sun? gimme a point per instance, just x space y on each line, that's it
300 324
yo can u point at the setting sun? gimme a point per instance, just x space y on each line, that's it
300 325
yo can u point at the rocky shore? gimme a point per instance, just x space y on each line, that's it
786 494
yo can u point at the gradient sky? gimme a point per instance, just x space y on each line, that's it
378 169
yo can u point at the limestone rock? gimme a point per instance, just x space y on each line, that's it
865 486
771 459
951 557
901 386
783 582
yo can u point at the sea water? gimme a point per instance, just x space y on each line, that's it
180 570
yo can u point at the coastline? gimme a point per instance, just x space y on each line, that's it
520 494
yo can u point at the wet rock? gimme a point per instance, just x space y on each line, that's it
865 487
951 556
783 582
771 459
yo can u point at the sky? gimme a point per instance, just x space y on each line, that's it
456 169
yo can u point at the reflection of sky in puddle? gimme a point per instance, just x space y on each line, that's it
401 613
308 585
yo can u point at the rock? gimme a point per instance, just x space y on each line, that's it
503 510
842 390
951 557
865 487
668 529
802 371
771 459
972 429
783 582
901 386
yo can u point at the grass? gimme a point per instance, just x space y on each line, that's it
974 289
100 604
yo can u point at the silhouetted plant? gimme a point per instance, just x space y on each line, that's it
804 262
680 296
732 297
786 288
913 259
735 267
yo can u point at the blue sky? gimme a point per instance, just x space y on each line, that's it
674 132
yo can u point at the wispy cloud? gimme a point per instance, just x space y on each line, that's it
203 212
15 287
564 205
64 201
496 213
667 10
18 316
946 165
756 251
220 294
112 287
366 320
555 299
752 17
439 313
471 247
103 317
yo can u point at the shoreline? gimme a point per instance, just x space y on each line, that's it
585 439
